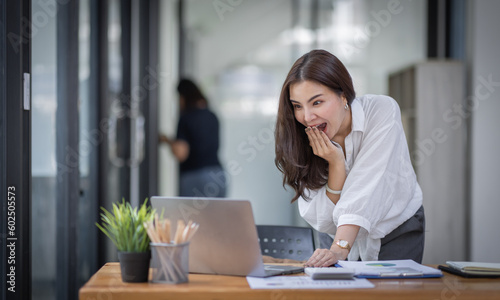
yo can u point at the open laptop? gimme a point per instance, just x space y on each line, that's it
226 242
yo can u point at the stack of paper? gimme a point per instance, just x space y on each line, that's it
390 269
475 268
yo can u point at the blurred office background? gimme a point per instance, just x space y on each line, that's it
111 67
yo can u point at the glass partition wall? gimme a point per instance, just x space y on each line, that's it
94 131
44 166
64 248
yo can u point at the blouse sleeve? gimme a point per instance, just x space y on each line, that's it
377 186
318 210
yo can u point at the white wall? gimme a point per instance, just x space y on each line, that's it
484 104
168 99
400 43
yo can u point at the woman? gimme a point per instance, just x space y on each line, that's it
348 162
196 145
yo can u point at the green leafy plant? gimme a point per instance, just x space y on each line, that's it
124 226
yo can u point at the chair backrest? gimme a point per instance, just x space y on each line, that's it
289 242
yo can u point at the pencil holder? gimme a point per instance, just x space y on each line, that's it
169 263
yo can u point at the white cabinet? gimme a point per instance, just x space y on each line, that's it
431 97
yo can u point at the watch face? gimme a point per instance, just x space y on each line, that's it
343 243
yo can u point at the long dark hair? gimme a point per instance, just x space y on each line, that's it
294 157
191 93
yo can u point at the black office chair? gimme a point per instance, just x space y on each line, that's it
325 240
289 242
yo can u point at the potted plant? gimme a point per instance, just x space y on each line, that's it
124 226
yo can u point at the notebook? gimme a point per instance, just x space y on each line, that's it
226 242
472 269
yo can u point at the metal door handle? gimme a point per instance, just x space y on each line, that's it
117 113
138 140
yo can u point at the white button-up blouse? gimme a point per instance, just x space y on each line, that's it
381 190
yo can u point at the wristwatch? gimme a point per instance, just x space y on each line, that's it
343 244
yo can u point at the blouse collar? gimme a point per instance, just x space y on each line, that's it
358 116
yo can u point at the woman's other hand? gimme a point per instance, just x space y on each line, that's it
180 148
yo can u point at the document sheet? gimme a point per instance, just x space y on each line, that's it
306 282
390 269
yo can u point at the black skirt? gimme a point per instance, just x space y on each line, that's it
406 241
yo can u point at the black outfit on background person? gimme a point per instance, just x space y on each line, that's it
201 174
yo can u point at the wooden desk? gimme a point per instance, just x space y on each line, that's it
107 284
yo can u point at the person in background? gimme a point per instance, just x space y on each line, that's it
347 160
196 145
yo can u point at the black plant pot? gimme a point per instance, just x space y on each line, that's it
134 266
